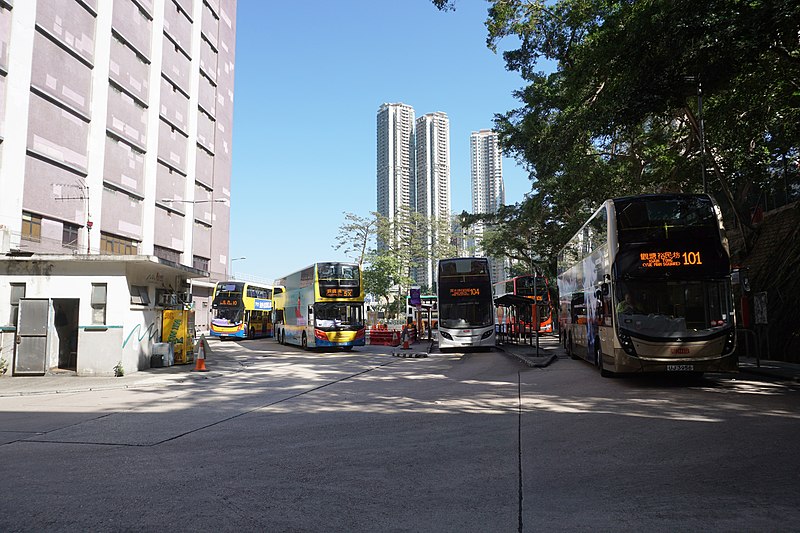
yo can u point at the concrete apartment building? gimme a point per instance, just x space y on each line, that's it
488 190
432 135
115 162
395 159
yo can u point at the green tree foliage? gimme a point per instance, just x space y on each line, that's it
619 114
406 244
380 276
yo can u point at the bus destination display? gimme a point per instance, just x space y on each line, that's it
465 291
670 259
338 293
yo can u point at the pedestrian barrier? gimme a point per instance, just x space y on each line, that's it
384 337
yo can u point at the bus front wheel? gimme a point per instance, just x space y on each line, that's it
598 355
304 341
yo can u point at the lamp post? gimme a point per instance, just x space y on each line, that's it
230 263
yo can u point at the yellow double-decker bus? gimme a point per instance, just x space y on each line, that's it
241 310
321 306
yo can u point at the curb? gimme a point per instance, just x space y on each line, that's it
533 362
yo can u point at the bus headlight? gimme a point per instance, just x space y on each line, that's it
487 334
730 342
627 343
446 335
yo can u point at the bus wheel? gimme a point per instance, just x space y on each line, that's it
598 355
347 348
304 341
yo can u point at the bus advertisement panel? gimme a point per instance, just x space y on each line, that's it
466 307
530 286
241 310
322 306
645 287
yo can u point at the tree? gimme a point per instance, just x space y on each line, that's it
619 114
356 233
380 276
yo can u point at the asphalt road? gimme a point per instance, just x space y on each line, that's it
285 440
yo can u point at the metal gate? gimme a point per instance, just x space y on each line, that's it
31 347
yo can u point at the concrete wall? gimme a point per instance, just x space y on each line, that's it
129 330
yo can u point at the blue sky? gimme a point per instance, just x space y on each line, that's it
310 77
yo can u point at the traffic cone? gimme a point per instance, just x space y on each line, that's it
200 360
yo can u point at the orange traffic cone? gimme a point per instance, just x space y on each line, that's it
200 360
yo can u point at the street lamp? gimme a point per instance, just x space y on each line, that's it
230 263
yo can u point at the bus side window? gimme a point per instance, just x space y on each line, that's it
577 307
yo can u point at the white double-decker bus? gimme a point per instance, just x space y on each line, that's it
466 308
644 286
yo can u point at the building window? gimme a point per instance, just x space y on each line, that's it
69 236
140 295
200 263
31 227
17 293
114 245
167 254
99 292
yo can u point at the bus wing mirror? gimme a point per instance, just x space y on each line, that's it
605 289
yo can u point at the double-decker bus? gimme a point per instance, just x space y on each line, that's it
322 306
645 287
241 310
530 286
466 307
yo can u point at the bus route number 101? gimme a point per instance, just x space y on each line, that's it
691 258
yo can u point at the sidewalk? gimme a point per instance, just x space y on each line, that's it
550 350
220 364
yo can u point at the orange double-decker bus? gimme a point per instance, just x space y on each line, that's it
530 286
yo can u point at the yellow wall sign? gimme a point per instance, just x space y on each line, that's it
669 259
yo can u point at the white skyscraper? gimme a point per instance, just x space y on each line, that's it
395 159
488 191
433 179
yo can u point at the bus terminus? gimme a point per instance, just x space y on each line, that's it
322 306
241 310
466 307
530 286
645 287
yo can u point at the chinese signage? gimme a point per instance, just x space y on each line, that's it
465 291
338 293
229 302
263 305
669 259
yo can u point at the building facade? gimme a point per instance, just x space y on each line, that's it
116 133
395 160
432 134
488 190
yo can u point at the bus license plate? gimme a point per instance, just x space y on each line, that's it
680 368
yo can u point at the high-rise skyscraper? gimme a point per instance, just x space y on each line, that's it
433 182
488 191
395 159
